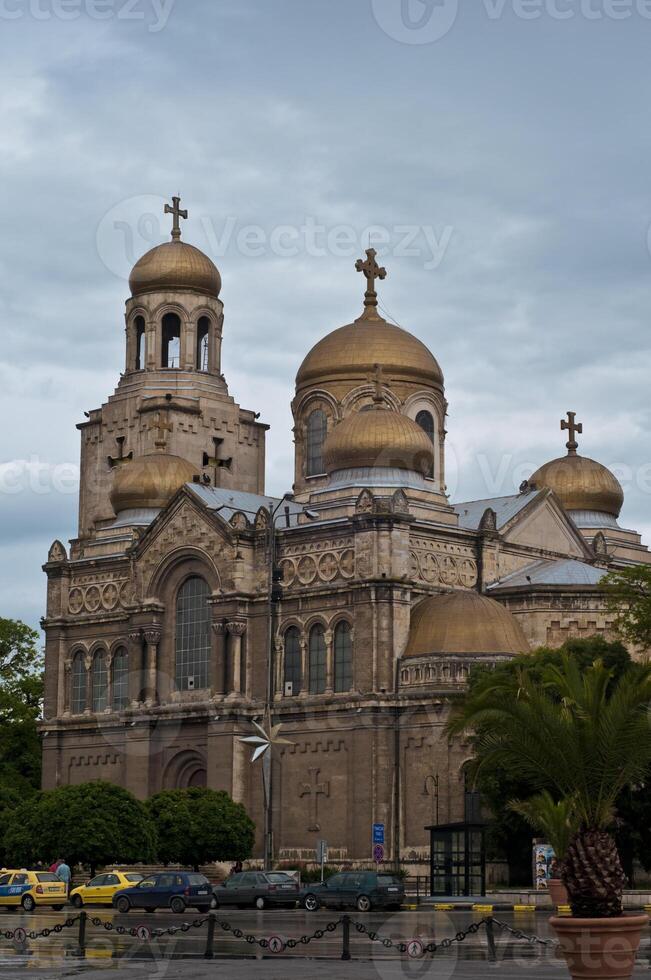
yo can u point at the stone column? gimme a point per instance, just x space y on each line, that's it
64 692
188 358
236 631
152 639
328 637
218 678
109 681
88 663
63 676
135 667
279 671
305 681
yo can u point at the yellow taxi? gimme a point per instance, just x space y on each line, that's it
29 889
101 889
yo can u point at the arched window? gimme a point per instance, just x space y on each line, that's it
99 682
317 428
292 674
78 685
343 658
120 680
192 635
203 343
171 341
141 343
317 660
426 421
471 799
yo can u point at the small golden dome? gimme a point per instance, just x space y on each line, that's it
378 437
354 351
150 481
581 483
464 622
175 265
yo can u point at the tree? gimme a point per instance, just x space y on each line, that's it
509 834
195 826
21 694
582 735
629 598
92 824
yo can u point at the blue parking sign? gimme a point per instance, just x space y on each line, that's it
378 833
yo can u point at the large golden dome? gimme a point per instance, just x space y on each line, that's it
377 436
175 265
354 351
150 481
464 622
581 484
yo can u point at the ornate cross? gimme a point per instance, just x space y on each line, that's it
117 460
574 428
217 461
378 395
372 271
175 210
162 425
314 790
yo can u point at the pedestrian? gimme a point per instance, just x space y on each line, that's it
64 873
54 866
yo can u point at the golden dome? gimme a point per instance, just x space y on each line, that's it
353 351
175 265
581 484
464 622
149 481
378 437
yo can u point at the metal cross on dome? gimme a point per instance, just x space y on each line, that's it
264 740
574 428
175 210
372 271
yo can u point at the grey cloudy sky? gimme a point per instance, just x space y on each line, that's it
501 149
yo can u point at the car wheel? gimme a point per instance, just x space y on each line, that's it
28 903
260 903
363 903
311 903
77 901
123 905
177 906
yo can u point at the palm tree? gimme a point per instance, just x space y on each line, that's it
583 736
558 821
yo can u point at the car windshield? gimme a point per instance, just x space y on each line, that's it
278 878
46 876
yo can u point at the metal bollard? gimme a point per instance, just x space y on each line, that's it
345 955
210 941
490 939
81 947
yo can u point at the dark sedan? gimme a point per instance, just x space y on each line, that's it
175 890
361 890
258 889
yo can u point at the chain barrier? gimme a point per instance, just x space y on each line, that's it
518 934
20 935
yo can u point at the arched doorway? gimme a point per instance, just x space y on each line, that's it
185 771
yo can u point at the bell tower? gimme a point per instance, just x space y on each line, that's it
172 397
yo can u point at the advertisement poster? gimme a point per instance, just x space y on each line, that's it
544 865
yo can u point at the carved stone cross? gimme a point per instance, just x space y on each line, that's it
175 210
574 428
372 271
121 458
217 461
162 425
314 789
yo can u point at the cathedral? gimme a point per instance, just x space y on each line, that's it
349 612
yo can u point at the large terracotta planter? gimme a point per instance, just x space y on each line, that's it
557 892
600 949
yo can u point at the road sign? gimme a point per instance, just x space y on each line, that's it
322 851
378 853
378 833
143 933
415 949
20 935
276 944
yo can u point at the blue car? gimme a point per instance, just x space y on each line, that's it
175 890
